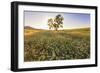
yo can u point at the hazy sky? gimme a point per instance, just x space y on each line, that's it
71 20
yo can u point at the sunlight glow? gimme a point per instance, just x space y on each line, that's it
39 20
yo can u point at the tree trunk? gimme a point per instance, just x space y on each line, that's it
56 29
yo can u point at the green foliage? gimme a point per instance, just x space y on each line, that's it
55 23
50 23
49 45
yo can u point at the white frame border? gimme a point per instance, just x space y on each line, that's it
22 64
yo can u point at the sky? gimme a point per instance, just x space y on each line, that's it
39 20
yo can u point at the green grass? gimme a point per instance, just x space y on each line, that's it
47 45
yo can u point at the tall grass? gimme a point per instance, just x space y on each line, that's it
47 45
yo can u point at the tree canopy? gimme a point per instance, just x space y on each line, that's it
55 23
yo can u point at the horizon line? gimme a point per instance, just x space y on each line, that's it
59 28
